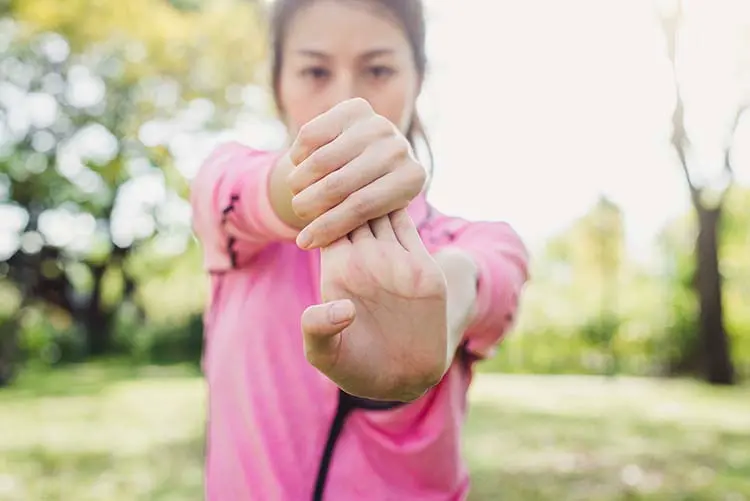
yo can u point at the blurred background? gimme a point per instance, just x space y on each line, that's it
611 134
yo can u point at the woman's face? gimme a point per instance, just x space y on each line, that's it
340 49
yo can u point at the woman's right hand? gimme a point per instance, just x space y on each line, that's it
350 166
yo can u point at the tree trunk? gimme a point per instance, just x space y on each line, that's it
98 320
716 358
95 318
8 351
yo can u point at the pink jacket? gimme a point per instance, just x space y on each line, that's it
277 428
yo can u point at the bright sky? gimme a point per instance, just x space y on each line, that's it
538 107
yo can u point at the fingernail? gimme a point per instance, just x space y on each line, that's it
341 312
304 239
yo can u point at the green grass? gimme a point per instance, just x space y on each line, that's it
114 432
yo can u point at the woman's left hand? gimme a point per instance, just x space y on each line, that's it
382 330
352 166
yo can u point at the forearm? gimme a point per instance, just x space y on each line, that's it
281 196
230 199
461 274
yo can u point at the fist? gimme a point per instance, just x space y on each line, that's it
351 166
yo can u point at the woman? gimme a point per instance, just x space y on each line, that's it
345 313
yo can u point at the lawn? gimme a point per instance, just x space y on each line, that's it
111 432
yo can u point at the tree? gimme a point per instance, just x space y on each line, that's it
708 199
682 350
588 260
90 85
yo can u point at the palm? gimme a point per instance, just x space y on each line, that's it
400 301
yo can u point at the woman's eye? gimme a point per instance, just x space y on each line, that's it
316 73
379 72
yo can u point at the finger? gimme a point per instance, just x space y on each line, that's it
383 230
377 199
362 233
376 160
339 245
321 329
340 151
406 231
324 128
336 247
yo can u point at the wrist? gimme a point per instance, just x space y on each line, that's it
461 275
280 195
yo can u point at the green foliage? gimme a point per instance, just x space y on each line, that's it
578 318
96 84
161 343
187 5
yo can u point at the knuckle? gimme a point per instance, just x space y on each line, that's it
293 182
359 105
333 185
389 153
300 207
306 137
352 111
363 207
398 148
416 176
324 230
381 125
410 172
317 161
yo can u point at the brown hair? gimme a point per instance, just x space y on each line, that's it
409 13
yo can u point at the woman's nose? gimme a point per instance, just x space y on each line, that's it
344 87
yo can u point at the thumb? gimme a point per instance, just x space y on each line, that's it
321 327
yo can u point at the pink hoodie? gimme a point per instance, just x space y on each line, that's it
273 420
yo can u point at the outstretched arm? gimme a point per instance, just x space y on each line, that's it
461 276
486 268
232 213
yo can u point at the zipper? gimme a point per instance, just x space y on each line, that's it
346 404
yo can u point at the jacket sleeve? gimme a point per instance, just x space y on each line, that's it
502 260
232 214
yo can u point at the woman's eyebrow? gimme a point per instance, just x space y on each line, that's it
313 53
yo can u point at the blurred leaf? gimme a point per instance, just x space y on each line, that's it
98 96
